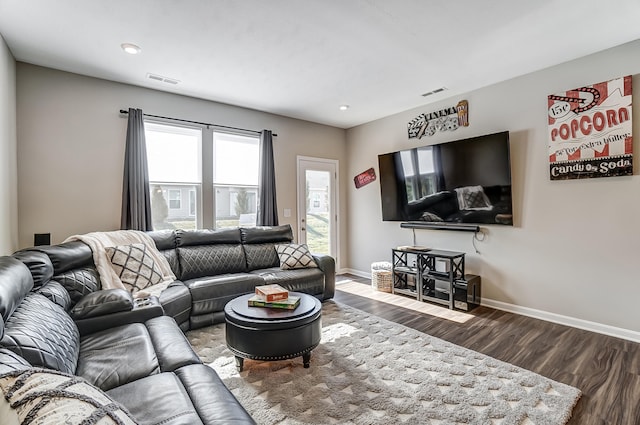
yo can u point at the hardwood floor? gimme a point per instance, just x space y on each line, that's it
604 368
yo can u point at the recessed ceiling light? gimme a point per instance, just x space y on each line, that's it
130 48
344 107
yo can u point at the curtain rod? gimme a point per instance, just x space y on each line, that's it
123 111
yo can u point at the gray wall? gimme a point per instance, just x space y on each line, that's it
71 148
574 248
8 164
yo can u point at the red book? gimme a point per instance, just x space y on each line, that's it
270 293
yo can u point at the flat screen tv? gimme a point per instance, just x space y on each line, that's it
464 181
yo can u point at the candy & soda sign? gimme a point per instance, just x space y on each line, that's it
589 131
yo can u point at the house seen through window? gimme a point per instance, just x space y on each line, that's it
181 177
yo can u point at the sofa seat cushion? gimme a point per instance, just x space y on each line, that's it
209 294
190 396
309 281
158 399
43 334
171 346
116 356
212 399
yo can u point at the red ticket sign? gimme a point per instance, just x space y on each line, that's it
364 178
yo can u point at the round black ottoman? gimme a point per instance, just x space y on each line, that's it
259 333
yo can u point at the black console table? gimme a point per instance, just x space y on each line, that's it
434 275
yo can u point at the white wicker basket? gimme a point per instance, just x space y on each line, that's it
381 276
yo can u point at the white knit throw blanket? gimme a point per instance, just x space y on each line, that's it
98 241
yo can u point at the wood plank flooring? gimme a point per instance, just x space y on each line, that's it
604 368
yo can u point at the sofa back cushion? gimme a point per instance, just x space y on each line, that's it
15 284
211 260
207 237
261 256
38 263
43 334
166 243
57 293
209 252
67 256
266 234
79 282
259 245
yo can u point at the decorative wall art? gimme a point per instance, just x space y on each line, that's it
364 178
448 119
590 131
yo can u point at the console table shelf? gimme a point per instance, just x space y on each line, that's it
434 275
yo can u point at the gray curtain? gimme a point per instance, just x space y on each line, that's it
136 200
267 208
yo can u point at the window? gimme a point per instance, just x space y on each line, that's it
192 202
174 160
419 172
174 199
235 179
178 184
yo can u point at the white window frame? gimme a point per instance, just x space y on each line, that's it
204 189
241 138
172 127
193 202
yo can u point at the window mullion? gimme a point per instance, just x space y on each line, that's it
208 198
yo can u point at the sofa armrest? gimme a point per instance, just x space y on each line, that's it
102 302
327 264
119 310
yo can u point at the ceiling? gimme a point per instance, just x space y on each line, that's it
305 58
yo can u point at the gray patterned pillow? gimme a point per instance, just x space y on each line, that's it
472 198
42 396
135 267
295 256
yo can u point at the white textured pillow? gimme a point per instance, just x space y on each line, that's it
50 397
295 256
134 266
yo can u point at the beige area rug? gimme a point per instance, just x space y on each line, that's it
368 370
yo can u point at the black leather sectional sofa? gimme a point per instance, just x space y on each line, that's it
213 267
55 316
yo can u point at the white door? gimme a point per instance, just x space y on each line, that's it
317 205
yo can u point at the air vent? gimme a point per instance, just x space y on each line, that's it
162 79
434 91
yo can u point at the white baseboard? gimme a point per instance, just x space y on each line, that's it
543 315
355 272
564 320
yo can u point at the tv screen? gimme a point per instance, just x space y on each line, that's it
465 181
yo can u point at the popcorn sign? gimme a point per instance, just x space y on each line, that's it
590 131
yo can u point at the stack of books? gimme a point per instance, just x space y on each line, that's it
273 296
